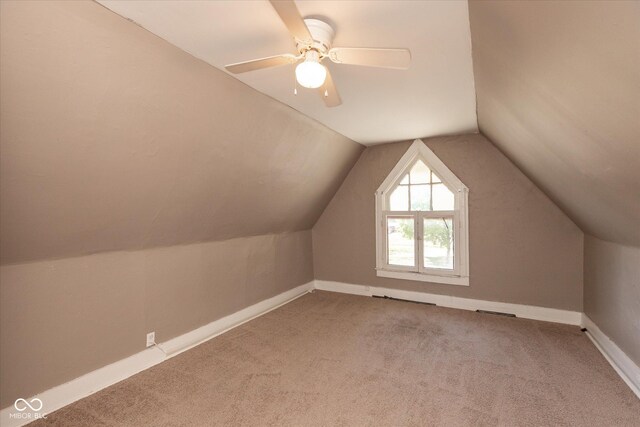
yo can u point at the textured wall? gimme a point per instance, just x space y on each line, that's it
113 139
63 318
114 142
612 292
557 85
523 249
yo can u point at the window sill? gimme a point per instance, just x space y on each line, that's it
407 275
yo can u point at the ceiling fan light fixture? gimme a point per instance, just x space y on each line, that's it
311 73
313 38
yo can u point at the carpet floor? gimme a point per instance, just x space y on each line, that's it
330 359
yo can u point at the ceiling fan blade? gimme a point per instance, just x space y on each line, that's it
329 92
258 64
288 12
371 57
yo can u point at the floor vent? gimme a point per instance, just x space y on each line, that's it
403 300
497 313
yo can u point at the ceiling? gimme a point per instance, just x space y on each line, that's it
559 93
106 146
436 96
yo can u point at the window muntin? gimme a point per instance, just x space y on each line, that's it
420 189
424 192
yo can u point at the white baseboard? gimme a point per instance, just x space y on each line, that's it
65 394
191 339
623 365
520 310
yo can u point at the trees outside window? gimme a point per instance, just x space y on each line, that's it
421 212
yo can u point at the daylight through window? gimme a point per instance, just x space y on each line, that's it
422 229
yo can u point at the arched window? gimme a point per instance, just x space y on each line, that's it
422 228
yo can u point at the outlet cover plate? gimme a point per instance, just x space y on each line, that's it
151 339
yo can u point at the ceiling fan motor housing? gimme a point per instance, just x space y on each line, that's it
322 34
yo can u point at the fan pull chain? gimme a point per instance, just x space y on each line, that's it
295 85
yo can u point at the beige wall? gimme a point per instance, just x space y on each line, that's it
61 319
557 85
116 148
612 292
113 139
523 249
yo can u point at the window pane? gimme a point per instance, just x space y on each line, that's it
420 173
420 197
399 200
443 199
400 241
438 243
405 180
435 178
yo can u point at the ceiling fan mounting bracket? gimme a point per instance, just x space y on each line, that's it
322 34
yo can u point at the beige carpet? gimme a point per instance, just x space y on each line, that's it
332 359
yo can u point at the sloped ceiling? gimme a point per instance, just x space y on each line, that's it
113 139
558 89
435 96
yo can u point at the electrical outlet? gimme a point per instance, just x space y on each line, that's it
151 339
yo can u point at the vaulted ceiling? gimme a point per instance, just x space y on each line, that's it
113 139
435 96
557 83
558 87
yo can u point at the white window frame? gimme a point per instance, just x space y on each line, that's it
460 215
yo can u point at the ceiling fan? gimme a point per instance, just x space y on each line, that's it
313 39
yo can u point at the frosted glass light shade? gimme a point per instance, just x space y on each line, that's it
311 74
